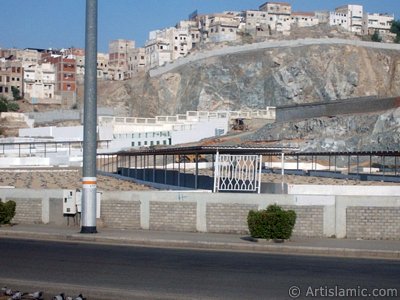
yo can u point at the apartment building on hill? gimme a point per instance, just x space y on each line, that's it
11 76
118 58
281 14
377 22
65 68
223 27
167 45
350 17
304 19
40 84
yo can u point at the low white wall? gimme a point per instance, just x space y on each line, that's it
6 162
339 190
205 128
222 212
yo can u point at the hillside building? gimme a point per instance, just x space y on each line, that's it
26 56
102 66
223 27
304 19
136 61
280 12
11 76
350 17
157 51
65 68
376 22
167 45
40 84
259 22
193 28
118 58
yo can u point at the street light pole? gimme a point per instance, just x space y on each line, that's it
89 180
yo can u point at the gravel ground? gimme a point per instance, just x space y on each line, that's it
68 178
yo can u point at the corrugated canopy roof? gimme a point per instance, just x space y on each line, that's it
211 149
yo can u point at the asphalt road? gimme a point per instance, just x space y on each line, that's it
101 271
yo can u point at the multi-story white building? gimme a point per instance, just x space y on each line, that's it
259 22
11 77
26 56
376 22
223 27
167 45
281 13
157 51
136 61
304 19
118 58
40 84
350 17
102 67
193 28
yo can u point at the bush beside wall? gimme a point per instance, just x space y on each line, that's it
7 211
271 223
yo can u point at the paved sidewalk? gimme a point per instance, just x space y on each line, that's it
382 249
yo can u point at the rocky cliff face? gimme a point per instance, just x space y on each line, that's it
276 77
258 79
378 131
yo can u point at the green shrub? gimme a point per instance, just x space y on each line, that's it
12 106
3 104
7 211
271 223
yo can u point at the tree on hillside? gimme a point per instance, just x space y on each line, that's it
3 104
395 28
6 105
16 93
376 37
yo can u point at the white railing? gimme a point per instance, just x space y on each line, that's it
191 116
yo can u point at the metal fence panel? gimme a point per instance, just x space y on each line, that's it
237 173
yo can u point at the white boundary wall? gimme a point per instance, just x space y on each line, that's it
344 190
208 211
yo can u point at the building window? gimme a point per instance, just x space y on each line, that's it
133 144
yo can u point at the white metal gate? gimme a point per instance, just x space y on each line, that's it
237 173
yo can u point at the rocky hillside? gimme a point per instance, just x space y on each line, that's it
265 77
275 77
378 131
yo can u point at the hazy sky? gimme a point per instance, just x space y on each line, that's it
61 24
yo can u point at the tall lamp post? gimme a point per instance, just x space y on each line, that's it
89 180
